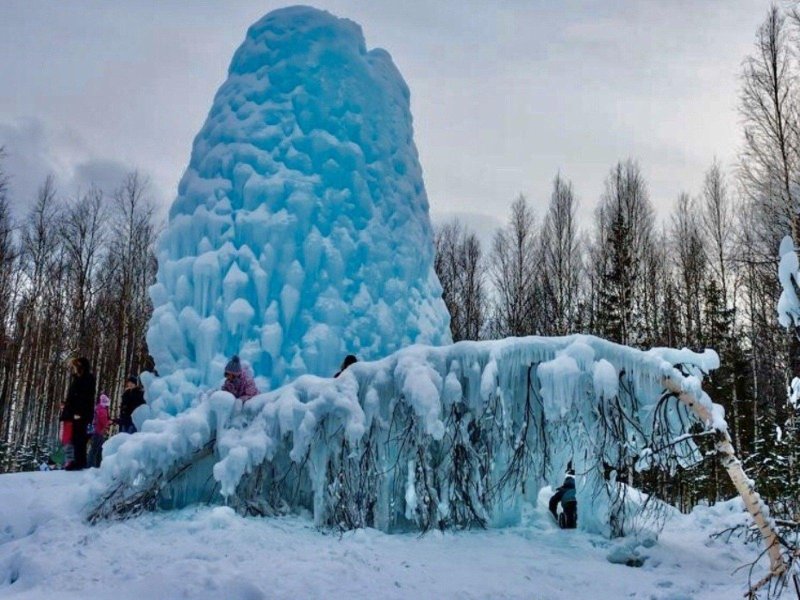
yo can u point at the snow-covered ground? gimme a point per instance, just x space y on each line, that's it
48 551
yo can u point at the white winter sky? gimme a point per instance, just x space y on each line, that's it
504 94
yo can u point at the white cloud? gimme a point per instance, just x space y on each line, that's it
504 95
34 150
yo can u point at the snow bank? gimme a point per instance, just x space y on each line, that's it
300 232
427 437
208 553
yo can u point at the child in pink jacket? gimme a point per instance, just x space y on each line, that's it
238 381
99 429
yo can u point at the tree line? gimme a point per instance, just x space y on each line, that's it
703 277
74 273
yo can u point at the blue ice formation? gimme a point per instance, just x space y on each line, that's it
429 437
300 232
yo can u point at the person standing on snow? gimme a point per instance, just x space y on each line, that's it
79 409
132 398
66 454
99 429
569 504
238 382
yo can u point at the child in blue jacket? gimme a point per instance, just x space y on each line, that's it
569 504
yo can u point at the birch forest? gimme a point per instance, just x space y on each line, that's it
74 273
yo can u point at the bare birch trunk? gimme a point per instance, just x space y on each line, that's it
740 480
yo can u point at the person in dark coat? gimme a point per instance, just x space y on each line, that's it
79 409
569 504
350 359
132 398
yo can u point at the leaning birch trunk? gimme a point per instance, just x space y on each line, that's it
740 480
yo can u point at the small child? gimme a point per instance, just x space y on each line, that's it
65 437
238 381
99 429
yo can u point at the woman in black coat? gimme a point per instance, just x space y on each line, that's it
79 409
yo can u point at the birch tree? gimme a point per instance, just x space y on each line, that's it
514 263
560 261
459 265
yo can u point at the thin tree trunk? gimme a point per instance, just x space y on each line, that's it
733 466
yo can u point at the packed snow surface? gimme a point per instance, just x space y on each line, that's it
209 553
300 232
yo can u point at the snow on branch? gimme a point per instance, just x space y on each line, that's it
789 275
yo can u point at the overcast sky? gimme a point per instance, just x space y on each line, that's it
504 94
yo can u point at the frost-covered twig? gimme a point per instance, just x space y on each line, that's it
518 466
652 452
744 530
123 502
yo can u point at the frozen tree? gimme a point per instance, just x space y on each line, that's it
128 272
82 231
38 372
8 254
716 214
473 287
63 271
771 156
454 436
691 261
623 235
41 240
720 295
9 274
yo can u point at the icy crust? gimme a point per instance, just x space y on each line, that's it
300 232
427 437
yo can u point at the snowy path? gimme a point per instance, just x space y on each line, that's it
46 551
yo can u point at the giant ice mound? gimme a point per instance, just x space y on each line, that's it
300 232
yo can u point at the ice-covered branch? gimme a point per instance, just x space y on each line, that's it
789 275
428 437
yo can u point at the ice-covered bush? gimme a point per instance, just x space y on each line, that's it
428 437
